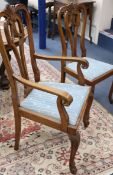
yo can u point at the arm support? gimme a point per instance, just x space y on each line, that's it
82 60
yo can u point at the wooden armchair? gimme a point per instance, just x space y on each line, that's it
73 24
58 105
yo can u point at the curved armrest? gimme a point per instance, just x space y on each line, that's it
82 60
67 98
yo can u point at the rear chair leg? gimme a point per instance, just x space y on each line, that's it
75 141
17 131
63 76
110 94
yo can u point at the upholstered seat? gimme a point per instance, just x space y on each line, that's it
96 68
45 103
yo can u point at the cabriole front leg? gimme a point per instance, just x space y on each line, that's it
86 116
75 141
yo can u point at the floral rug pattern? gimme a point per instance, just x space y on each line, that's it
45 151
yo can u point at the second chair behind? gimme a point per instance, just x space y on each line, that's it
75 17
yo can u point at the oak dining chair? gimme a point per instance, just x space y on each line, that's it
74 23
61 106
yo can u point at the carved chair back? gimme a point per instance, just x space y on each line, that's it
15 34
72 14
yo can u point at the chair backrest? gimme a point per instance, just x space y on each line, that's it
71 21
13 34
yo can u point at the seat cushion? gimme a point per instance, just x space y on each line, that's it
96 68
45 103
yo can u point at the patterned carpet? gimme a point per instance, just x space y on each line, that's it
45 151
